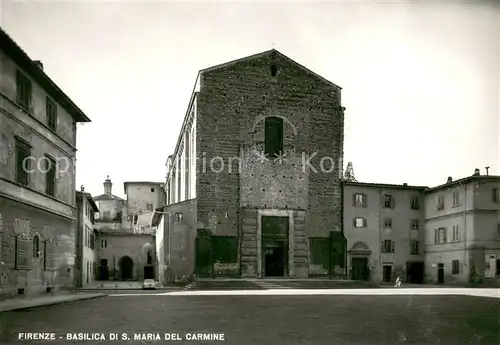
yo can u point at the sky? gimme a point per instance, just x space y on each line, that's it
421 80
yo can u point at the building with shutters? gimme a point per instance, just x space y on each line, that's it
448 234
37 176
255 176
86 239
384 225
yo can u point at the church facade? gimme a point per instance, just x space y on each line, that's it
255 177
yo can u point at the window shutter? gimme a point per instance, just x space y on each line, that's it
354 222
392 246
365 200
382 246
393 201
354 200
445 230
365 223
436 236
22 252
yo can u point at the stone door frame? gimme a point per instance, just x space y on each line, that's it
291 232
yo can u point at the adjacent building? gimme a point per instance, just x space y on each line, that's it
124 253
384 225
448 234
255 177
462 230
37 176
86 239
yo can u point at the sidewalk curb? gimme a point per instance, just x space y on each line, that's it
43 304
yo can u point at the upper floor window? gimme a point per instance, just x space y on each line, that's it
360 200
440 203
104 243
178 217
389 201
415 202
456 200
388 246
23 90
387 223
149 207
23 153
414 248
359 222
152 190
51 111
273 136
495 195
498 231
455 234
415 224
440 236
50 175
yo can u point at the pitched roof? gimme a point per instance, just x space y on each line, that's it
107 197
465 180
262 54
89 199
16 53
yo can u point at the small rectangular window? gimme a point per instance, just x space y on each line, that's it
359 222
456 199
414 247
360 200
495 195
51 111
387 223
23 91
50 175
23 162
455 269
440 203
415 224
178 217
388 246
149 207
415 203
273 136
389 201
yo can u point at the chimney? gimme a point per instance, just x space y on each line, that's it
450 180
405 184
82 188
107 186
487 170
476 172
39 64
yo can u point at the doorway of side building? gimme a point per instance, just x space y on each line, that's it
387 273
126 266
415 272
440 273
274 246
360 270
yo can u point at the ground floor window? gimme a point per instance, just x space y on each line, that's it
455 267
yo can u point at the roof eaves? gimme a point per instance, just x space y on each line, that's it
14 51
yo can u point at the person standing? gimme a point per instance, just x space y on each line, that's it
398 281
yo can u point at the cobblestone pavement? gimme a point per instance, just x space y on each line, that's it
262 320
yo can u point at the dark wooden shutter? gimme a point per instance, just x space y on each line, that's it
393 201
22 252
365 200
365 223
354 200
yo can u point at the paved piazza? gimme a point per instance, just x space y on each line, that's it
269 317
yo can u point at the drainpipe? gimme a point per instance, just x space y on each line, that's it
380 267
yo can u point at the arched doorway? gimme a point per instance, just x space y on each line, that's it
360 259
126 266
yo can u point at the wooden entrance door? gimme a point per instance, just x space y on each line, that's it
359 268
